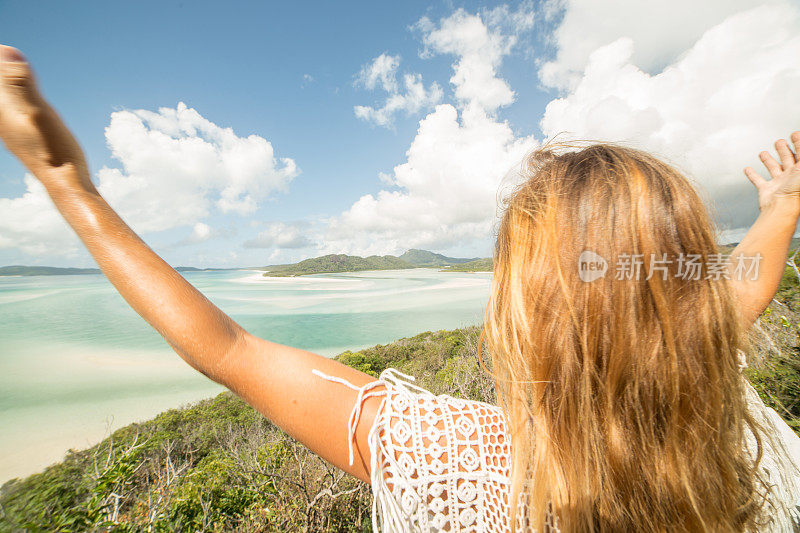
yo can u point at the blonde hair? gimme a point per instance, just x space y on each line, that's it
624 400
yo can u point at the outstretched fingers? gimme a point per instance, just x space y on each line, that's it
19 96
15 72
9 53
30 127
795 137
785 153
773 167
754 177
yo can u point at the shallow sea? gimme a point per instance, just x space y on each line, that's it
77 363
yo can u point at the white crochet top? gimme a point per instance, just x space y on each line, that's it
441 463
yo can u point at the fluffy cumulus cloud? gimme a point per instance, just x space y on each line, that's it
32 224
704 85
178 166
281 236
710 111
480 48
660 31
445 192
411 98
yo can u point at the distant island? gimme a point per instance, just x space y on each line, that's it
353 263
337 263
478 265
424 258
25 270
412 258
325 264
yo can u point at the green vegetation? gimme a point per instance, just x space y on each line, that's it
338 263
318 265
425 258
353 263
788 291
775 367
218 465
479 265
23 270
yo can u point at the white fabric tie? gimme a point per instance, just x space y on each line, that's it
364 392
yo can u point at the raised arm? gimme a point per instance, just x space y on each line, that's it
771 234
275 379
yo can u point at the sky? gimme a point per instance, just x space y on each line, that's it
253 133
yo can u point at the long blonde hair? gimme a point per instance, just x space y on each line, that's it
623 396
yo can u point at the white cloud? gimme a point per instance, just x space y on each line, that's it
307 81
177 166
711 111
703 85
412 98
660 31
514 22
446 190
281 236
32 223
480 51
200 232
382 71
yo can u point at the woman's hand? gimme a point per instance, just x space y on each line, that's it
769 238
33 131
784 187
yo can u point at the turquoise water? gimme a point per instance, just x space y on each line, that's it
76 362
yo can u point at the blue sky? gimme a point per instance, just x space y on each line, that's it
293 73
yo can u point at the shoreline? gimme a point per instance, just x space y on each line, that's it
68 385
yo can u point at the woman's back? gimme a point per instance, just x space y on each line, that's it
443 463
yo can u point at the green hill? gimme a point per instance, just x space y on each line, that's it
338 263
353 263
24 270
479 265
425 258
317 265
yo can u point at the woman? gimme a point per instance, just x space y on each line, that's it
621 403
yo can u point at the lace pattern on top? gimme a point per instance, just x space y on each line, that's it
436 462
439 463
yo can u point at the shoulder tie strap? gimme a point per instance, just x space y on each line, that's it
364 392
